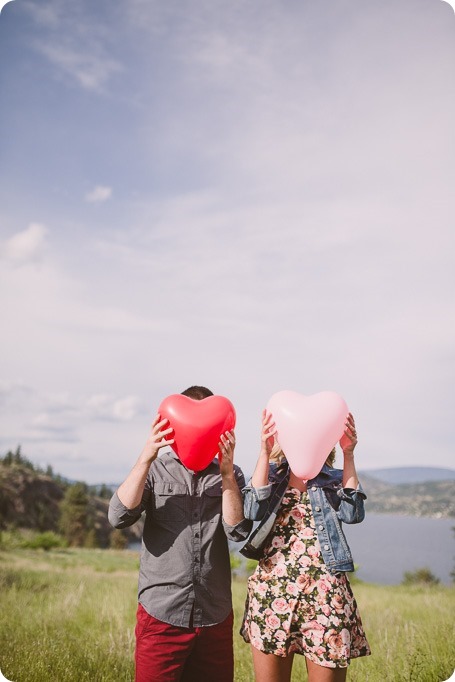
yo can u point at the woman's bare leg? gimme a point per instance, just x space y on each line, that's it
271 668
319 673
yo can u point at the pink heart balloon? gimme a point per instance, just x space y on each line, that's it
308 427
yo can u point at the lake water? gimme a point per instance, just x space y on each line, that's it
384 546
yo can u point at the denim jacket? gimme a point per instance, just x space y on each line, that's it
331 505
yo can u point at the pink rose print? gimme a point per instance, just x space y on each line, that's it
306 583
307 533
255 630
280 605
255 609
336 645
257 643
324 586
326 610
297 514
276 590
338 603
292 588
273 621
278 541
345 637
298 547
280 570
317 633
313 551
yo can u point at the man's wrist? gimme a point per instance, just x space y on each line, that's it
147 458
348 453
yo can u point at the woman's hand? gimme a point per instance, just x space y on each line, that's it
268 435
226 447
348 440
156 440
268 439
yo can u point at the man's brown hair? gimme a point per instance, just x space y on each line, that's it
197 392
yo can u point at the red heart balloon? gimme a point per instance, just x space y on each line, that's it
198 425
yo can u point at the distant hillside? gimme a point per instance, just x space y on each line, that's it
405 475
432 498
31 499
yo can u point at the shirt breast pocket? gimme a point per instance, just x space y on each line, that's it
170 501
212 495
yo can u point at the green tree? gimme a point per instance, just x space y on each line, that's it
75 514
47 540
105 492
118 539
91 539
421 576
452 573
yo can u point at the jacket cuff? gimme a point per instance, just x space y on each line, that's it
351 493
261 493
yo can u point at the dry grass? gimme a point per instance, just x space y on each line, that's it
68 616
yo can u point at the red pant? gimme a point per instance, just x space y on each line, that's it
166 653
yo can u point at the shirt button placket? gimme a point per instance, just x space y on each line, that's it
197 530
196 534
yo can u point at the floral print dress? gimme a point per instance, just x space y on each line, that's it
294 605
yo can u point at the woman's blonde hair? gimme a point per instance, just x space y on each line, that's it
277 455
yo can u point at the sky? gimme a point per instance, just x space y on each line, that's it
252 196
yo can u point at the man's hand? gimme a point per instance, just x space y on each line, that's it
226 448
156 440
130 492
232 503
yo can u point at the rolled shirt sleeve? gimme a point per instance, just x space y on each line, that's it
239 532
120 516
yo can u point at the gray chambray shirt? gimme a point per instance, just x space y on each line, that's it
185 564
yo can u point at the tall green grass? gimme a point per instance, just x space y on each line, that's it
68 615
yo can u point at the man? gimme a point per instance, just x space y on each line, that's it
184 616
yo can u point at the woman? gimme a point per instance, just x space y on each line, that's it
299 597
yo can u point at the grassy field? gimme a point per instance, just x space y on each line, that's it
68 615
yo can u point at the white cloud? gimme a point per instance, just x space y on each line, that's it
90 71
99 194
47 15
75 44
127 408
294 228
107 406
26 246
